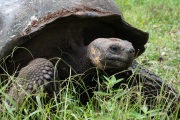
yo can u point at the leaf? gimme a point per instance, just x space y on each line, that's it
101 93
117 96
39 102
112 81
144 108
135 115
10 110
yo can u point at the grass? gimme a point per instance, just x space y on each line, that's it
161 20
162 56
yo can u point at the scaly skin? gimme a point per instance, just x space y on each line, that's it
38 73
153 86
151 82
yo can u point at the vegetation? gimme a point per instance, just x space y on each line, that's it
162 56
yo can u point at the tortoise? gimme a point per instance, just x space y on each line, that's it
44 41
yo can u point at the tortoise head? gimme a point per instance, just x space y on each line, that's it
111 53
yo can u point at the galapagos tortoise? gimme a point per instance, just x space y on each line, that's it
58 38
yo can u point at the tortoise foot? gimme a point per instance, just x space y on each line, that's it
38 75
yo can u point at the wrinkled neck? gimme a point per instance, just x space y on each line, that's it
83 59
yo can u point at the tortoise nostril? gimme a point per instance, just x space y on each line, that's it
130 50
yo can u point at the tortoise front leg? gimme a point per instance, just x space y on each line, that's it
153 86
37 75
151 83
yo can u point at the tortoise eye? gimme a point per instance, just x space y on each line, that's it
114 48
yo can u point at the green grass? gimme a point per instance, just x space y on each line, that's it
161 20
158 17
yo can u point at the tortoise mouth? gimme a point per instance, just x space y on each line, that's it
117 62
118 59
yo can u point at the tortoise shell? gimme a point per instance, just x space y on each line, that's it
21 21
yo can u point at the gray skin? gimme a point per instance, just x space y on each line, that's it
112 53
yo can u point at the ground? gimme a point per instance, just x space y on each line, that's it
162 56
